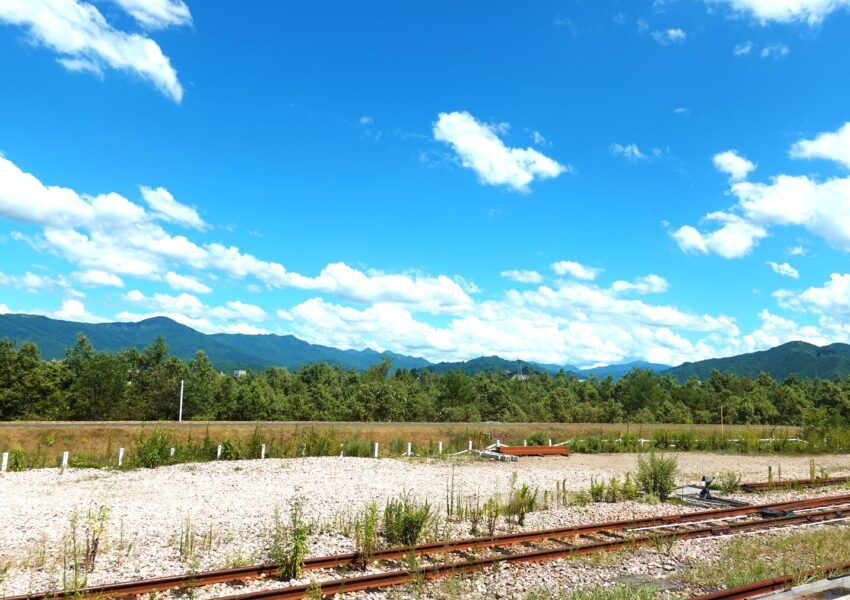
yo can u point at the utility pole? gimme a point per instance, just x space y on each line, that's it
180 414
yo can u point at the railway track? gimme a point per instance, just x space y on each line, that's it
764 486
594 537
754 590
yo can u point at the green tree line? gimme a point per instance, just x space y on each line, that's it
144 385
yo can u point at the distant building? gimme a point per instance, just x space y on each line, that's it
239 373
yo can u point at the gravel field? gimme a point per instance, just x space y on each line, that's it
233 502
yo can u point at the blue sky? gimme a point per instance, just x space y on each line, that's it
569 182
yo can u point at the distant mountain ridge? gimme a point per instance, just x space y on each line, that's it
801 358
242 351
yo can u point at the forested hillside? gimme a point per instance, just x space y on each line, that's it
144 385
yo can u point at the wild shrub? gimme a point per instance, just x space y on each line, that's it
492 512
597 490
17 459
288 542
729 482
153 450
656 474
614 491
405 519
366 533
521 502
630 488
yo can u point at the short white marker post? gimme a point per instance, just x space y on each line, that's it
550 441
525 442
218 452
470 445
65 459
171 452
376 449
5 463
409 448
120 456
263 451
498 443
439 447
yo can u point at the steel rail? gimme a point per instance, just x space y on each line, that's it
761 486
204 578
758 588
404 576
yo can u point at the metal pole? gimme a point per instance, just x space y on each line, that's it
180 414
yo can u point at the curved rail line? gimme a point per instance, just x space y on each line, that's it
758 588
206 578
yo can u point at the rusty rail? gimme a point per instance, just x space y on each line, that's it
758 588
762 486
346 559
404 576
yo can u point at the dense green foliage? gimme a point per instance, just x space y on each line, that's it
144 385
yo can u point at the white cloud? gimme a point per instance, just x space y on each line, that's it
827 145
165 206
189 310
157 14
4 310
797 251
522 276
79 33
682 110
34 283
774 51
538 138
647 284
784 269
479 147
832 299
94 277
629 151
743 49
575 269
776 330
184 283
366 120
670 36
733 164
735 238
785 11
74 310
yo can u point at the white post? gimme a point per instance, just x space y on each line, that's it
550 441
470 445
439 447
171 452
525 442
376 449
498 443
120 456
5 464
409 448
218 452
180 414
65 459
263 451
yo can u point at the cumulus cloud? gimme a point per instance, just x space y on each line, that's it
784 269
575 269
733 164
74 310
4 310
743 49
647 284
157 14
480 148
831 145
522 276
96 278
34 283
189 310
735 238
184 283
785 11
169 209
670 36
84 40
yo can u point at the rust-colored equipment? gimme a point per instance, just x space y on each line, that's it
534 450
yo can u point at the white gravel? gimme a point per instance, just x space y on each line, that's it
235 502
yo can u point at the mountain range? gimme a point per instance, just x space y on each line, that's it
242 351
